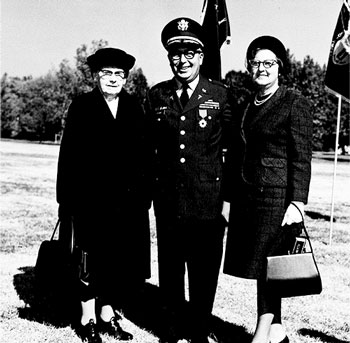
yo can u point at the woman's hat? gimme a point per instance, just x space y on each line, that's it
269 43
110 57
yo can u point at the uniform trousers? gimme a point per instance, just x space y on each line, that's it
197 245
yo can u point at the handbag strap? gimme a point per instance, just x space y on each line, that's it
55 229
304 227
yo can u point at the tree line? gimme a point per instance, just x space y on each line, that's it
35 108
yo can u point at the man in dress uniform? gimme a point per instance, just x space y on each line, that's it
190 119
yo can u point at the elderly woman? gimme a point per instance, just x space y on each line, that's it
102 182
271 169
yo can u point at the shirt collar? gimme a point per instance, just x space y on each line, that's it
191 86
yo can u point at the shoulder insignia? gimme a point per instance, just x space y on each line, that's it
218 83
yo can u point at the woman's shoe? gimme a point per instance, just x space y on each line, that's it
113 328
89 334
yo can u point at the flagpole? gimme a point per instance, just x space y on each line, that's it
217 34
335 167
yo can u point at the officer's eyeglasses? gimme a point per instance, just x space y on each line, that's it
104 73
267 63
189 54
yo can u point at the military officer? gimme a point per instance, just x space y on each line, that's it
190 119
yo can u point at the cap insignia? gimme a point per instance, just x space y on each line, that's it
182 25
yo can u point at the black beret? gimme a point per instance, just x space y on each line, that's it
110 57
184 31
269 43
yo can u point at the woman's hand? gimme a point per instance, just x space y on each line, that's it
292 214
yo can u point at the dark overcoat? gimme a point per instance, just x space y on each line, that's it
188 144
103 179
270 167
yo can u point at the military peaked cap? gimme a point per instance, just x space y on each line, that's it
110 57
182 30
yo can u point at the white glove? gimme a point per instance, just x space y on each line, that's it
292 215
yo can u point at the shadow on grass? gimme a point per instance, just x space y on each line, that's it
59 309
320 335
140 305
317 215
146 311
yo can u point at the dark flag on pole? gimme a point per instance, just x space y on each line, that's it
338 69
216 28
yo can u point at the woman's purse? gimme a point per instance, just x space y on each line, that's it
295 274
55 266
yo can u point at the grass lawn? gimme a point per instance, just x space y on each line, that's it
29 212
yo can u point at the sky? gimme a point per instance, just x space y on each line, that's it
36 35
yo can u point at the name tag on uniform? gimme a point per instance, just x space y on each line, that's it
160 112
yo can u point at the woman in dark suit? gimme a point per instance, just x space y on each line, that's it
271 169
102 182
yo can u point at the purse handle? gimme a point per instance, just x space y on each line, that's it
55 229
304 227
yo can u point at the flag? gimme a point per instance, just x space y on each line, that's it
338 69
216 28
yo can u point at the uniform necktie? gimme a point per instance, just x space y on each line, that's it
184 95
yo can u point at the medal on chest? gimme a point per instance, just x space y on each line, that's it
203 114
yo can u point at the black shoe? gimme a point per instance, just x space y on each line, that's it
113 328
89 333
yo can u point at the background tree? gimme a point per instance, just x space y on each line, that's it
137 84
11 105
35 108
85 80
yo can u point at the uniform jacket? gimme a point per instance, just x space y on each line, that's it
188 146
273 146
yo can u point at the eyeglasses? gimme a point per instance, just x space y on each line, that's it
267 63
189 54
120 75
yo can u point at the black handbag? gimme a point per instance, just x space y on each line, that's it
55 266
296 273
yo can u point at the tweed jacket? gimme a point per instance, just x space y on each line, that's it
273 146
188 144
270 167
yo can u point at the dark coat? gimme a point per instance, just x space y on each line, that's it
189 144
270 167
103 179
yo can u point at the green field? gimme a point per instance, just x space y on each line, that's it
29 212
